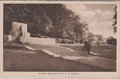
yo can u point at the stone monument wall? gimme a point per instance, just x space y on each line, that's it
18 28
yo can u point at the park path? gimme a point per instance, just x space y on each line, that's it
77 56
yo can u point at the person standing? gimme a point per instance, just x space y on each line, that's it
87 47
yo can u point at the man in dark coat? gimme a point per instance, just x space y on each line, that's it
87 47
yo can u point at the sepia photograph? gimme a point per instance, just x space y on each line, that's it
60 37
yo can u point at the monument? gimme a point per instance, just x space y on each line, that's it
20 34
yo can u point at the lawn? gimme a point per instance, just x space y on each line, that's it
103 50
21 59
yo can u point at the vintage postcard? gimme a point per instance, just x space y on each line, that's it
60 39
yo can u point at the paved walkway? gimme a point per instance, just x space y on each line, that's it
78 56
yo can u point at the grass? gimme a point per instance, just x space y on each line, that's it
21 59
104 50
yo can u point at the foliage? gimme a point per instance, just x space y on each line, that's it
90 37
53 20
111 41
65 41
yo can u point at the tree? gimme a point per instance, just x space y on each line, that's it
64 20
35 17
111 41
53 20
90 37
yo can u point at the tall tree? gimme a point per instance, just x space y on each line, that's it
34 15
64 20
53 20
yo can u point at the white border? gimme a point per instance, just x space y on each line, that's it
82 75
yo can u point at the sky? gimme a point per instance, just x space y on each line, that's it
99 17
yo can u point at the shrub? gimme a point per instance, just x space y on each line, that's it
65 41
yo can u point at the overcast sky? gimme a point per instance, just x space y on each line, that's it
99 17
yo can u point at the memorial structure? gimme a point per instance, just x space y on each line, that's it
20 34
